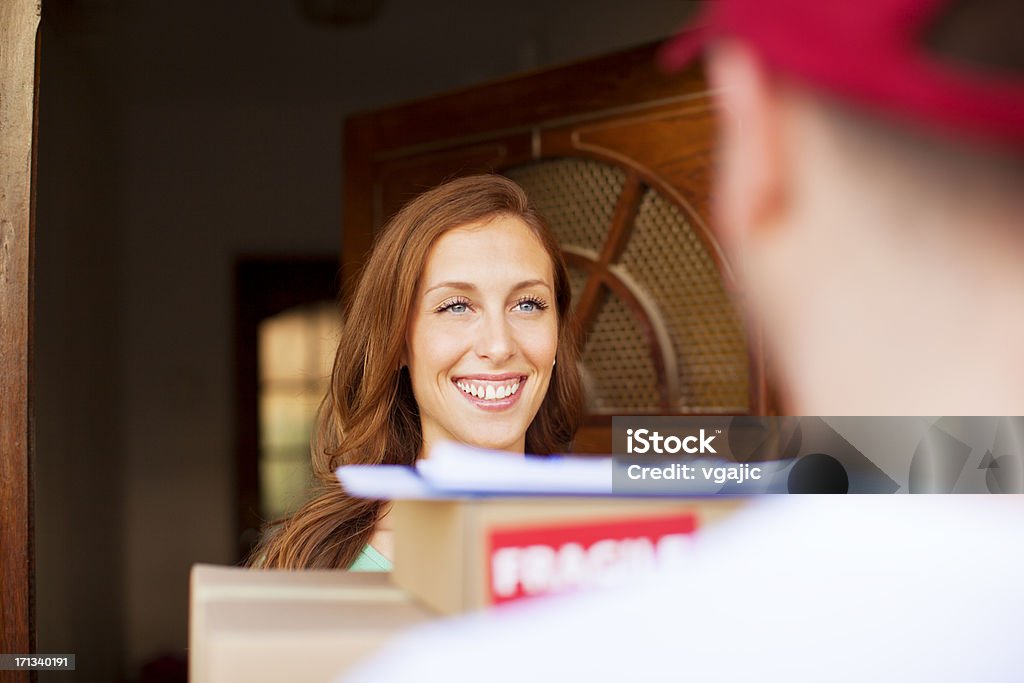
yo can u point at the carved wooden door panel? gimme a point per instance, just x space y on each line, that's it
617 157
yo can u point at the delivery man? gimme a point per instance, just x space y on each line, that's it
871 190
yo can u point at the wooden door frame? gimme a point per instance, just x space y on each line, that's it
19 80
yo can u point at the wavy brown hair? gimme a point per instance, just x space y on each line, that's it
369 415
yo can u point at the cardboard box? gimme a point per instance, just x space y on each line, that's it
264 625
452 554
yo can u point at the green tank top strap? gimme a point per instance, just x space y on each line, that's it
370 561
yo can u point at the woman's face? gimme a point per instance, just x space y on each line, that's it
483 334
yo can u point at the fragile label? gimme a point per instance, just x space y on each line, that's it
528 561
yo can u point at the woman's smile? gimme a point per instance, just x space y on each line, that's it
491 392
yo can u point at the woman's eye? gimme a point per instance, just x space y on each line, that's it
456 306
530 306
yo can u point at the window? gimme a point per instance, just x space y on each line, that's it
296 351
285 331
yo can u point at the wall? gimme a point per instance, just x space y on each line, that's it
79 470
173 137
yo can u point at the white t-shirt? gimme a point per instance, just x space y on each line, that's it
802 588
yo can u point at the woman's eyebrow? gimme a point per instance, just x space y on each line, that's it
530 283
451 284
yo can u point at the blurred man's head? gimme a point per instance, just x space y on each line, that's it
876 207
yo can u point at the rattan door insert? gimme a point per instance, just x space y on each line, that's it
659 332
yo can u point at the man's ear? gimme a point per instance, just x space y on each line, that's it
750 179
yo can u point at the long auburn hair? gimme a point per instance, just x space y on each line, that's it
369 415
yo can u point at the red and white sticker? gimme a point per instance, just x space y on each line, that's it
529 561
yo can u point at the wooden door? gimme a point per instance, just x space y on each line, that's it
618 157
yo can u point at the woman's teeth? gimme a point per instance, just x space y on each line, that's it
489 391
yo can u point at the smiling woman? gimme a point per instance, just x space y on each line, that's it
459 328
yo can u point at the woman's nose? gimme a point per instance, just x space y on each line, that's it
495 340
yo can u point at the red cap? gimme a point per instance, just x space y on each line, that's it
868 51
